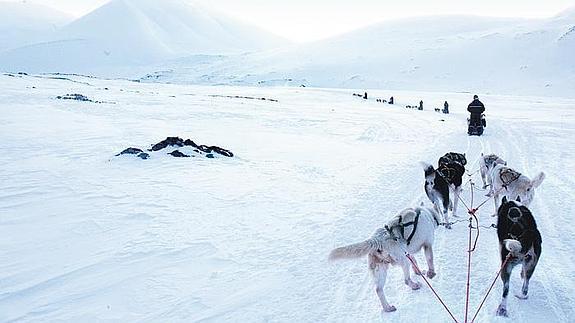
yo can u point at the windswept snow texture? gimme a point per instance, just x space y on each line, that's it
445 53
89 237
134 32
23 23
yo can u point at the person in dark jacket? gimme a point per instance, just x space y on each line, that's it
476 108
421 105
391 100
446 107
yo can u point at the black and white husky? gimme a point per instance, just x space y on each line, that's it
508 182
445 182
486 164
409 231
521 241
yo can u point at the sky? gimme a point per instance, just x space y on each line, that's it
308 20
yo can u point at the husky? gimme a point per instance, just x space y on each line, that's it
509 182
519 240
443 182
408 232
486 164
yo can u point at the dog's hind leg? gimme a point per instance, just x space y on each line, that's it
456 192
428 250
505 277
406 276
379 271
496 203
446 213
526 272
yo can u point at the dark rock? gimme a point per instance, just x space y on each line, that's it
210 155
144 155
222 151
170 141
131 151
177 153
189 142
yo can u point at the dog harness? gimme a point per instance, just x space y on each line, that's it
402 227
453 157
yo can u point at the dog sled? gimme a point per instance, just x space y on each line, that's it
475 126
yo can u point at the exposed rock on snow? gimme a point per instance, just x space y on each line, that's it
179 142
76 97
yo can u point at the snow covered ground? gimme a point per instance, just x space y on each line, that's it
89 237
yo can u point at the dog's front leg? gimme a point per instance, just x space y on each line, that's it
379 270
428 250
406 275
483 178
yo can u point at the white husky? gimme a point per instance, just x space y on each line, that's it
486 164
409 231
507 182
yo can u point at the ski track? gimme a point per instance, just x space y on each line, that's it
91 237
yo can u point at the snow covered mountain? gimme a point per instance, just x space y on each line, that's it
23 23
132 32
460 53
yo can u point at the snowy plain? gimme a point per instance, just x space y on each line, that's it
90 237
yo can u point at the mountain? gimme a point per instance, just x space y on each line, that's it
444 53
135 32
23 23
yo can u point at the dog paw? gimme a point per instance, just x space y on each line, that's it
521 296
502 311
389 308
430 274
414 286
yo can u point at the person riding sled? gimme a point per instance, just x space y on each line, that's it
476 121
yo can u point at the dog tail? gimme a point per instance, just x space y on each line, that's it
355 250
427 168
513 246
537 180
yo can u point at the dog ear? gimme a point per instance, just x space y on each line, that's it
518 199
504 201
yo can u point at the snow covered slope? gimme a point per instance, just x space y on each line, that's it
446 53
134 32
88 237
23 23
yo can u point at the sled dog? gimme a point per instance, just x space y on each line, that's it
508 182
409 231
445 182
521 241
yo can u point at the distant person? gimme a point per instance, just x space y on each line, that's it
421 105
365 95
446 107
391 100
476 108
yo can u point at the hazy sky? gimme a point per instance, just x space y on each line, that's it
305 20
